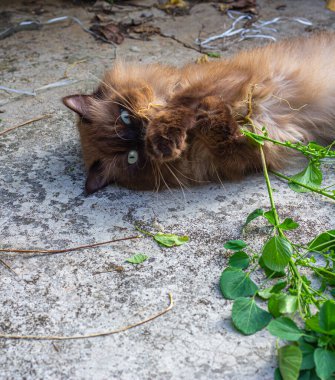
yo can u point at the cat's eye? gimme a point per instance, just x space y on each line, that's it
132 157
125 117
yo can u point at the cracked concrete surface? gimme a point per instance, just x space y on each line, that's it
43 205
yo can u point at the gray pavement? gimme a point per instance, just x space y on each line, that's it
43 205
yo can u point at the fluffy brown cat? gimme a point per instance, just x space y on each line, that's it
156 126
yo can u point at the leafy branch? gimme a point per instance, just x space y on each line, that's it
310 352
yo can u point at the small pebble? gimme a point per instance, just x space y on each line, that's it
135 49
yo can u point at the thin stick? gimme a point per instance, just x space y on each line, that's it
2 262
25 123
53 251
94 335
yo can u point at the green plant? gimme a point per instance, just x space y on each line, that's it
288 288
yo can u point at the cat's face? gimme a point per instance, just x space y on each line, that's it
112 125
112 130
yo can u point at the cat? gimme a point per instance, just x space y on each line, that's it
154 126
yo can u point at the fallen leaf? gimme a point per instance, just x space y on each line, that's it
239 5
110 32
170 240
202 59
174 6
148 30
137 259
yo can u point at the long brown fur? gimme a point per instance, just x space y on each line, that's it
185 123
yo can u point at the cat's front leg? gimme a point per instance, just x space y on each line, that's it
166 133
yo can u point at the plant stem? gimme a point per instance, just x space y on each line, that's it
315 190
291 263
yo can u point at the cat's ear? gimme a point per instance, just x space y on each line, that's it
95 178
79 104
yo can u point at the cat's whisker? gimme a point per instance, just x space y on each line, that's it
109 86
156 177
217 174
191 179
162 177
181 184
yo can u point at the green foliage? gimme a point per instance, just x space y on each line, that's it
310 176
324 363
290 359
248 317
285 328
268 292
253 215
327 317
235 245
239 260
137 259
213 54
288 224
235 283
323 242
309 353
280 304
277 253
170 240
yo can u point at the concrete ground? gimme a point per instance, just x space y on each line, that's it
43 205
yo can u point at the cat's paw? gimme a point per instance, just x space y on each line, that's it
166 136
215 117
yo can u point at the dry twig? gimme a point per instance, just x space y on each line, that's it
4 264
94 335
25 123
54 251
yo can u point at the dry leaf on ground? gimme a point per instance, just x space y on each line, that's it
110 32
239 5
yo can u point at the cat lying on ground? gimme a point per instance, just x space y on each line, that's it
155 126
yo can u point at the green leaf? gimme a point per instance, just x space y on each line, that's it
269 215
310 176
276 253
327 316
235 245
277 375
285 328
253 215
239 260
265 293
235 283
270 273
137 259
248 317
308 375
324 363
323 242
290 359
280 285
332 292
307 355
268 292
213 55
288 224
313 324
170 240
282 304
